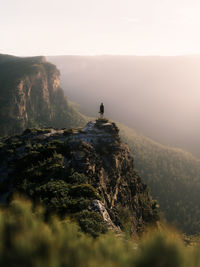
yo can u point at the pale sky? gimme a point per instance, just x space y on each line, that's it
92 27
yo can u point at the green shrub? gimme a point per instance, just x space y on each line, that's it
77 178
84 190
77 204
92 223
34 167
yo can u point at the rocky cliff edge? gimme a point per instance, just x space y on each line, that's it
41 161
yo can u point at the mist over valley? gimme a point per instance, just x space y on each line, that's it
157 96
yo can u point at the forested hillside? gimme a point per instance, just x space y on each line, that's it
173 176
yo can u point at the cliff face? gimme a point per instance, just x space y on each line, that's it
99 153
30 96
49 160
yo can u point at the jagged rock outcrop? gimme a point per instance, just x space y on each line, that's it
99 207
31 96
99 153
39 161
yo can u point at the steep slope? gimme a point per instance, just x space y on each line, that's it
31 96
78 173
173 176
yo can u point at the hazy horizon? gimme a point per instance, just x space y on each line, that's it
102 55
92 27
129 55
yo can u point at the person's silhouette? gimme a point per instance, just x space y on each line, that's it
101 110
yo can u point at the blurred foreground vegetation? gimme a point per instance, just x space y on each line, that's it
28 239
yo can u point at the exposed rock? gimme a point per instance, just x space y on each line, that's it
31 96
96 151
99 207
109 164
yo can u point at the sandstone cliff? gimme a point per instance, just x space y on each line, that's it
79 172
31 96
